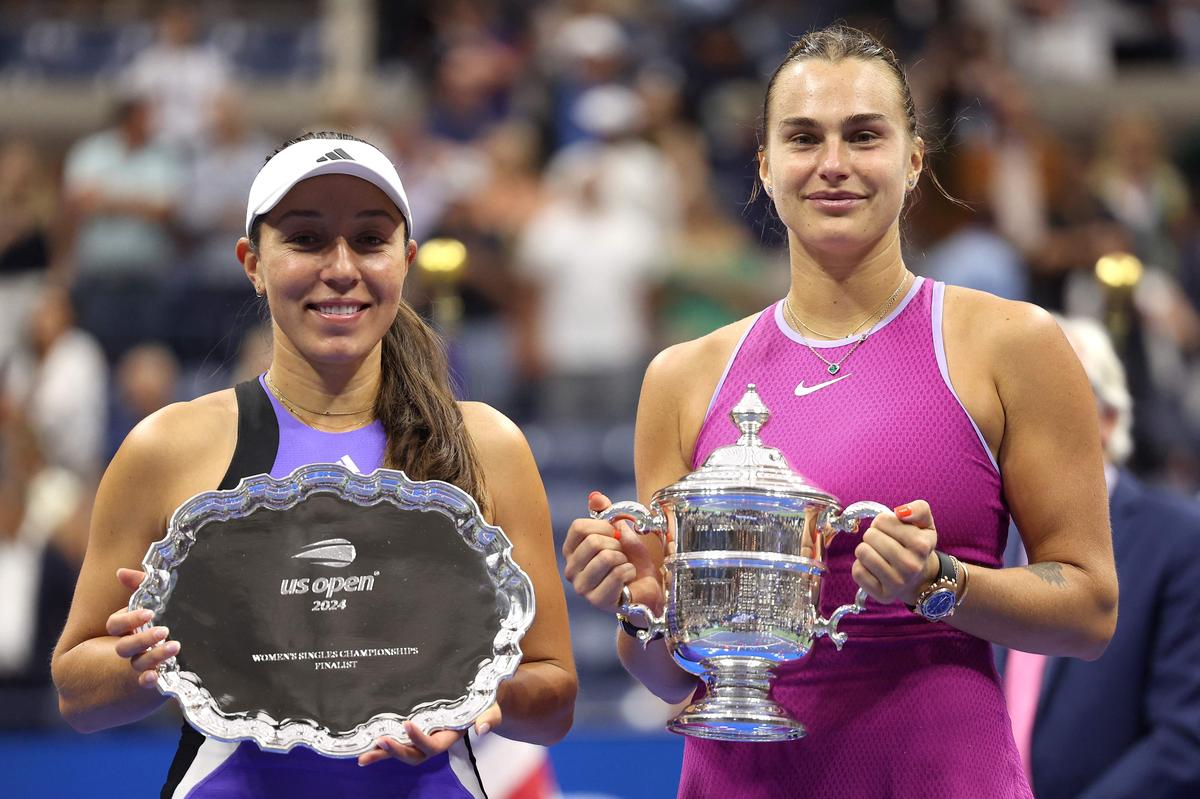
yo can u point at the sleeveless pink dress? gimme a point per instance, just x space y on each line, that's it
908 708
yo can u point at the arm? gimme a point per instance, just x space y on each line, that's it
1034 398
659 460
102 671
538 703
1065 602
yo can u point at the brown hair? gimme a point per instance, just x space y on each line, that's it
836 43
426 435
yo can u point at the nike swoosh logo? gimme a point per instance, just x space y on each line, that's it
803 390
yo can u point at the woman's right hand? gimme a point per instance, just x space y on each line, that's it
603 557
144 650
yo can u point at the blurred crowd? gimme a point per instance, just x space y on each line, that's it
596 159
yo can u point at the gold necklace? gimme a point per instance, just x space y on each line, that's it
294 407
833 367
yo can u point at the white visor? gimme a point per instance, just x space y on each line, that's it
313 157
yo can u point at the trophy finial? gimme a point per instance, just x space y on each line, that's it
750 414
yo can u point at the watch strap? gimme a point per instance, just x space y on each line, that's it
946 580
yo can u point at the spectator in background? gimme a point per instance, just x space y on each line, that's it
1071 40
122 191
715 272
629 171
489 220
36 575
589 261
60 382
210 310
1127 724
181 78
28 200
583 52
1141 188
147 378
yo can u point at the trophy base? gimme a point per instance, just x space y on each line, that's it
722 726
737 706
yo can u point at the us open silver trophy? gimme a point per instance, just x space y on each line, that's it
745 538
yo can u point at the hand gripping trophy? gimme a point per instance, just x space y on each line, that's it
745 538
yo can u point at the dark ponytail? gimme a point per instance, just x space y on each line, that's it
426 435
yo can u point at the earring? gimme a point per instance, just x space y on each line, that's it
912 183
770 191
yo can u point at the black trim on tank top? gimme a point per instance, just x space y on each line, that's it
471 755
189 745
255 452
257 435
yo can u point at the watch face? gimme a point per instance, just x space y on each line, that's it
938 604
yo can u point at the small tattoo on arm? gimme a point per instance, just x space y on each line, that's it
1050 572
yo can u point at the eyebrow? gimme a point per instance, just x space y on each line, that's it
853 119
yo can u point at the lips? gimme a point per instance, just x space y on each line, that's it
834 196
835 202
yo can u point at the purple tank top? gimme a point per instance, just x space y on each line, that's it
908 707
360 450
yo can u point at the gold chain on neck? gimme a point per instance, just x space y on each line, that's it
295 408
833 367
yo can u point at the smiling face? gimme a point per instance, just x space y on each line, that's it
838 155
331 258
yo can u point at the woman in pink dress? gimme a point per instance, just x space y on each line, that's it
957 408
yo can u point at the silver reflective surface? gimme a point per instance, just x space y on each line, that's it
746 539
513 591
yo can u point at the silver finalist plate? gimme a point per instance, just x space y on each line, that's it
326 608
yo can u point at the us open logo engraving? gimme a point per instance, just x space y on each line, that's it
337 553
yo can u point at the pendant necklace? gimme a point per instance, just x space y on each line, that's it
833 367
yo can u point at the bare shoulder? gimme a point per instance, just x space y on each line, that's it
1004 329
1020 349
169 456
179 450
678 386
492 433
509 470
699 362
186 431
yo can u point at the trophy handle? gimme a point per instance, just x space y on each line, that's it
643 519
631 610
829 626
848 520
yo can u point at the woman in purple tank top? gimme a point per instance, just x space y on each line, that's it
954 407
355 376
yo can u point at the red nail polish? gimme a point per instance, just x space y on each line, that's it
903 512
617 533
593 495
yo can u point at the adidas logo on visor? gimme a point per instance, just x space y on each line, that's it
336 155
336 552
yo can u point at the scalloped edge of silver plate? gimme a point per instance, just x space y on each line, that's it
513 586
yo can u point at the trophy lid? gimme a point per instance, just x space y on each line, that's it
749 466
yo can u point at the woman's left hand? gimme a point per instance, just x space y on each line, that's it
425 745
895 557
